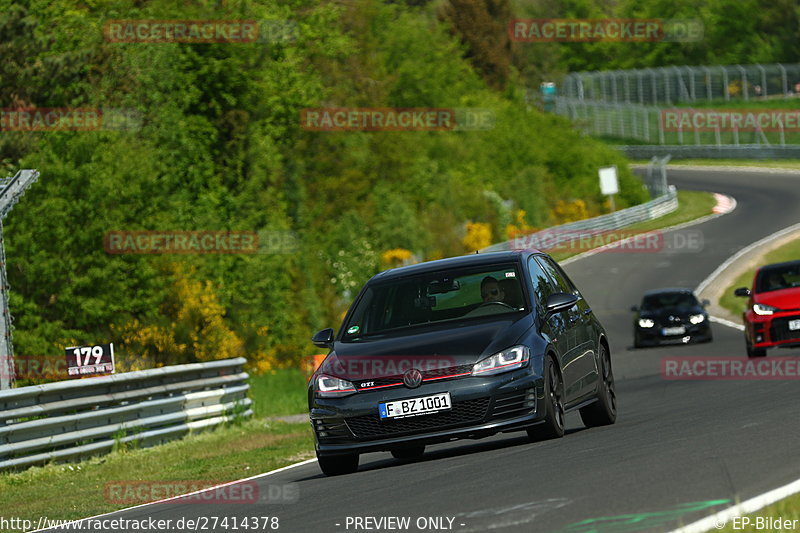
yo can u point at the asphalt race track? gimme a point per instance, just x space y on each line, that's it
679 450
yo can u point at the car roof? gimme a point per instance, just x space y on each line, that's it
779 266
454 262
669 290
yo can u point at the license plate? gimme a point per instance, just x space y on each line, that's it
678 330
794 324
415 406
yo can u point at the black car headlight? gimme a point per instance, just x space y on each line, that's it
331 387
697 319
646 322
510 359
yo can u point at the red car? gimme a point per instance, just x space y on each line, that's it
772 317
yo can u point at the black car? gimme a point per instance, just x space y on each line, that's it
670 316
459 348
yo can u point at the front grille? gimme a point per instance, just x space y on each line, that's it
449 371
371 426
397 380
331 430
514 404
780 329
664 323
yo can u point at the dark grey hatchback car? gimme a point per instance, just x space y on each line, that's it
459 348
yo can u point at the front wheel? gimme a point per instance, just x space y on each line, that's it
336 465
637 340
604 411
755 352
553 425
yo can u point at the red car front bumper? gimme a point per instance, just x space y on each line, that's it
765 331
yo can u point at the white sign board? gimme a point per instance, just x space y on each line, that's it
608 180
90 360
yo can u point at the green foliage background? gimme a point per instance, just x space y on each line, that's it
221 148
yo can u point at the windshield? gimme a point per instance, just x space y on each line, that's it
677 300
777 278
438 297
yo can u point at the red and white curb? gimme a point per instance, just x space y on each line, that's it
725 204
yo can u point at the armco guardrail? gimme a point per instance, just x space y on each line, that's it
74 419
742 151
660 206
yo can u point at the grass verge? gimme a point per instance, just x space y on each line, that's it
788 252
281 393
80 490
691 206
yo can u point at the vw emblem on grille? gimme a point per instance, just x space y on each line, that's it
413 378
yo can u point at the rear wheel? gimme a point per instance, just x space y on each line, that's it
604 411
411 452
553 425
335 465
754 352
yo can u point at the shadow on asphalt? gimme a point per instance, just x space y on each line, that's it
496 442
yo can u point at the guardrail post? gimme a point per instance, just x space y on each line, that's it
12 190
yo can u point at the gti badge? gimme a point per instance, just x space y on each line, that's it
412 379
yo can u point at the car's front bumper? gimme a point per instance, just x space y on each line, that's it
693 333
767 331
481 406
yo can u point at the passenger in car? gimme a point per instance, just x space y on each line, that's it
491 290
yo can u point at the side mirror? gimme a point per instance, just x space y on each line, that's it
560 301
323 339
635 309
706 302
742 291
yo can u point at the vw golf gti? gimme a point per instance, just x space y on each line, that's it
464 347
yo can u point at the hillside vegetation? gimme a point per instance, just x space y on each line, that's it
220 147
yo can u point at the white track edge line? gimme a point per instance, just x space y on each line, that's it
726 322
719 519
728 262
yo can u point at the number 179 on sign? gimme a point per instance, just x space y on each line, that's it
88 360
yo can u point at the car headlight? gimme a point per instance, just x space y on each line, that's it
330 387
510 359
761 309
696 319
646 322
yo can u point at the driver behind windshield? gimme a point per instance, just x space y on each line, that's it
491 290
775 282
